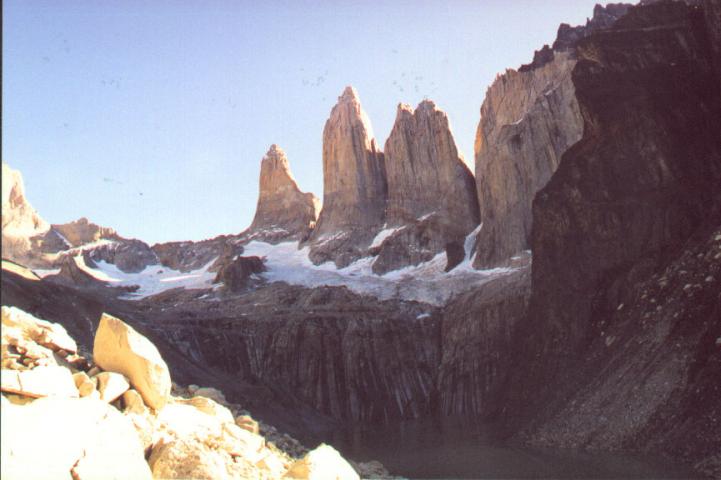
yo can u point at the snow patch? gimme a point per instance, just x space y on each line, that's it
382 235
426 282
152 280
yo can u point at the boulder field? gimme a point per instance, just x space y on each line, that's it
115 415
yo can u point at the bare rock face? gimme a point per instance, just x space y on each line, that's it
354 185
426 178
22 227
283 211
528 119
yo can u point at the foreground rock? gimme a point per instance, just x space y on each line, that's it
119 348
323 463
283 211
193 436
354 185
63 438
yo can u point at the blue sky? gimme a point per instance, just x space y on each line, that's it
152 117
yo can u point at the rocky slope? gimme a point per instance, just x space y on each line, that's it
625 306
354 185
283 211
431 193
116 411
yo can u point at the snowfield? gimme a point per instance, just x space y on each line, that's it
426 282
285 262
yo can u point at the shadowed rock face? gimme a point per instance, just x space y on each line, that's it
629 221
426 178
354 185
283 211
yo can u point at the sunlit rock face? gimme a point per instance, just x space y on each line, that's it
21 224
528 119
431 192
283 211
354 185
82 231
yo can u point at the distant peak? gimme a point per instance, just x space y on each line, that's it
427 104
349 94
275 151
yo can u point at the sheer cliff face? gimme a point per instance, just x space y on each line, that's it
431 193
425 173
283 211
528 119
20 222
626 249
354 185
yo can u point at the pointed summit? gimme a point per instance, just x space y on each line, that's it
425 172
354 180
283 211
431 192
349 94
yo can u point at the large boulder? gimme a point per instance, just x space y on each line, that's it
119 348
81 439
323 463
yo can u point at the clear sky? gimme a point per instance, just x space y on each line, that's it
152 116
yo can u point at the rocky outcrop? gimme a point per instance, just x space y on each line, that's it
427 180
110 432
528 119
283 211
634 202
22 227
236 274
187 256
82 231
354 185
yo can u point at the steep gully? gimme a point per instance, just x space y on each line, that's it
619 349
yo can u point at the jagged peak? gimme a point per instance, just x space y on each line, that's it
349 94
